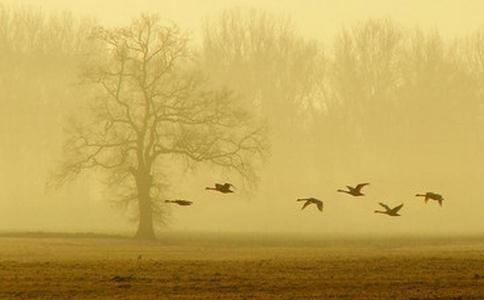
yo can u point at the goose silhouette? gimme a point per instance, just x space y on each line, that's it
431 196
222 188
354 191
310 201
389 211
180 202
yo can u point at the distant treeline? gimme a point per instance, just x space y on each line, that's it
379 94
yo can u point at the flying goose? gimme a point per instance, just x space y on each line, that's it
431 196
310 201
180 202
389 211
223 188
354 191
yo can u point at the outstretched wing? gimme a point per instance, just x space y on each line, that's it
302 199
306 204
228 185
437 196
361 185
385 206
397 208
185 202
319 203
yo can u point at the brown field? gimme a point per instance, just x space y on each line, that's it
206 266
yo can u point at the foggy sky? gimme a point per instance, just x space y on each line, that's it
270 210
318 19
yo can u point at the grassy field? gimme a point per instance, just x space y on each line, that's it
204 266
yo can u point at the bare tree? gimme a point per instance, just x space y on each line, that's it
365 71
263 56
149 105
39 58
392 88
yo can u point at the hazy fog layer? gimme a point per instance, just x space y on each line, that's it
314 18
432 142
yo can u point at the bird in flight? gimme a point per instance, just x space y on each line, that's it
310 201
431 196
180 202
389 211
223 188
354 191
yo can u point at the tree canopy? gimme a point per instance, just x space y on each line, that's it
150 102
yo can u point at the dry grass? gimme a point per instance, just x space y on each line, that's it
194 267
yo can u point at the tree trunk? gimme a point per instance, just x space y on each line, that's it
145 226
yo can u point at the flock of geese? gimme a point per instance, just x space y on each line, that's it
222 188
353 191
356 192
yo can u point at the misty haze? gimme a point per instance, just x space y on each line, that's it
241 149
